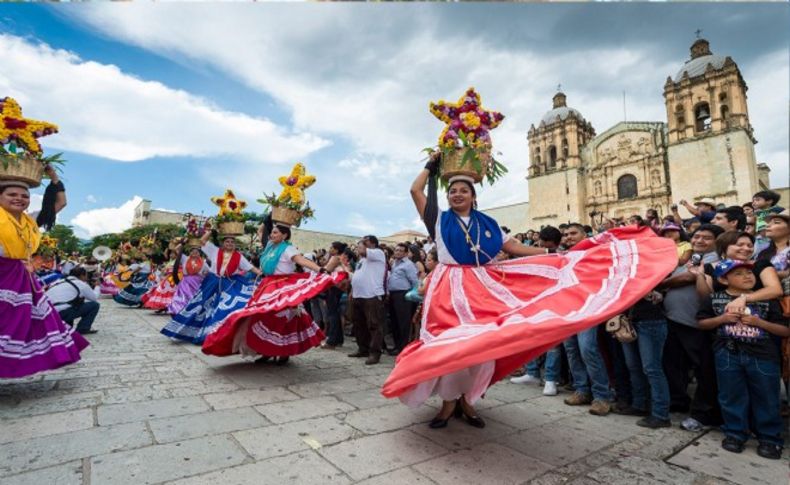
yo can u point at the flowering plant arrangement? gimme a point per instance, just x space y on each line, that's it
19 137
230 208
48 246
291 204
468 127
194 229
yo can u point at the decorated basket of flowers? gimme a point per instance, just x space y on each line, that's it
291 207
230 220
48 246
194 231
21 157
465 143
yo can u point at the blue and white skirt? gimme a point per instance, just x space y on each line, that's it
215 300
133 293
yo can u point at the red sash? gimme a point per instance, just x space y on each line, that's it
233 264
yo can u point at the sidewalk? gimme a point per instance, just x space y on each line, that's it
142 409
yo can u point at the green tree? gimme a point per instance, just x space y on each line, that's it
67 241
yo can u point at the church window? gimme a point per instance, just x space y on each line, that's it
626 187
598 187
565 148
722 96
702 118
552 156
655 178
725 112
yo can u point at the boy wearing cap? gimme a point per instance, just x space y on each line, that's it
747 361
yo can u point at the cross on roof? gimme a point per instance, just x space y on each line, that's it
698 32
559 88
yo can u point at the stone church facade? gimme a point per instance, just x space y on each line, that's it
704 149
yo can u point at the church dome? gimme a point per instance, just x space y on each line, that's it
560 110
696 67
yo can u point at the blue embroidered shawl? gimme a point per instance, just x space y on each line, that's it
481 227
271 256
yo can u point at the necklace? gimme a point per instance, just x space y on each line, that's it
474 246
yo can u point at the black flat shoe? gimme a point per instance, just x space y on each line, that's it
475 421
282 360
438 422
87 332
732 445
263 360
770 451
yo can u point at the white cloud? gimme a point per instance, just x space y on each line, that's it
359 224
373 91
90 198
35 203
111 114
94 222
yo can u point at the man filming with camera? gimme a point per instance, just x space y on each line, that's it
74 299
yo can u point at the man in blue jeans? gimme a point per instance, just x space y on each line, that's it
74 299
590 379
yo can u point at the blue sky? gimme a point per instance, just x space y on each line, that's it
176 102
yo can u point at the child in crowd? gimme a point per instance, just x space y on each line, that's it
764 204
747 361
674 232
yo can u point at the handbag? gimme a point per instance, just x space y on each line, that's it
413 295
620 327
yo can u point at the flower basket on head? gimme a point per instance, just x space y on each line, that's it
230 221
20 153
194 242
465 142
290 207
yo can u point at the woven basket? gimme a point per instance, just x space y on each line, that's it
232 228
289 217
194 242
27 168
452 165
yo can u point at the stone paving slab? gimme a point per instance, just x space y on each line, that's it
190 426
707 456
21 429
195 419
52 450
303 409
160 463
372 455
287 438
249 397
488 463
126 413
299 468
66 474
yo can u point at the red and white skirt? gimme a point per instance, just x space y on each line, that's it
161 295
481 323
273 323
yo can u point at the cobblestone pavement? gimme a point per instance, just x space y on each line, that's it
142 409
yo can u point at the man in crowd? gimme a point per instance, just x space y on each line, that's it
402 278
367 291
730 218
704 209
590 378
74 299
687 347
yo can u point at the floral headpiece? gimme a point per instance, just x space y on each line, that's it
467 121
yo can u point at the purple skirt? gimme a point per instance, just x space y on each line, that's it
33 338
185 290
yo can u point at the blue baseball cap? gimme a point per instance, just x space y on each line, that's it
727 265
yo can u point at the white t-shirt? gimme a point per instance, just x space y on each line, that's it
286 264
368 279
212 252
444 255
62 292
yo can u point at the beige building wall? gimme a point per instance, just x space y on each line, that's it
722 167
555 198
513 216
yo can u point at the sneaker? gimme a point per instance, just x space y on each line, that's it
691 424
653 422
733 445
578 399
526 379
600 407
770 451
550 389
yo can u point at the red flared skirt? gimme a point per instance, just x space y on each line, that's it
160 296
274 322
511 312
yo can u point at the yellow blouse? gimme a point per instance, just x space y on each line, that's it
682 247
18 239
